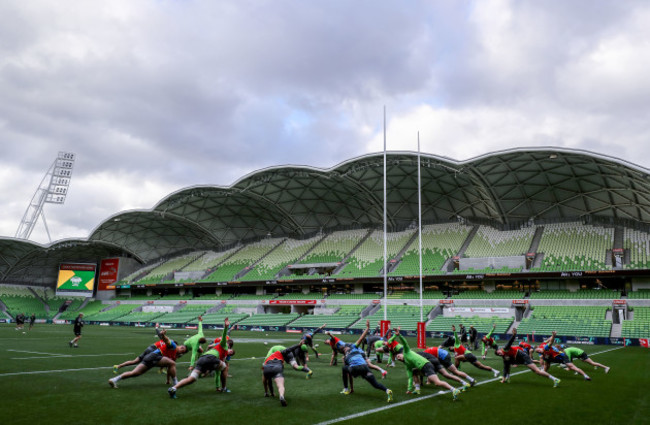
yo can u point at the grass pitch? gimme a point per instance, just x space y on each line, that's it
43 380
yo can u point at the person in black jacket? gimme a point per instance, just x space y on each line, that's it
78 324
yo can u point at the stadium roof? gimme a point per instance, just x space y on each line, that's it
506 187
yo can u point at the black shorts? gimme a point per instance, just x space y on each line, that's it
273 369
289 357
359 370
523 358
77 332
446 362
470 357
583 356
433 360
207 363
428 369
152 359
561 359
149 349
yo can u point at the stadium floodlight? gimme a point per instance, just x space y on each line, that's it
53 190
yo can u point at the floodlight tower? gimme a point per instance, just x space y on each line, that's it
53 190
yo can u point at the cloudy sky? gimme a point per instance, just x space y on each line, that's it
155 96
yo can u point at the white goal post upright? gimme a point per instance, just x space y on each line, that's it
385 230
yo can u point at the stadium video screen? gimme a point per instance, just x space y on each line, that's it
76 280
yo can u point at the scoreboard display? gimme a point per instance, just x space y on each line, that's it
76 279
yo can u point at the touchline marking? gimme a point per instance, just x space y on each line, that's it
53 356
402 403
33 352
36 372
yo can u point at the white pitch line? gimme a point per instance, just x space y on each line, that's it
36 372
54 356
32 352
402 403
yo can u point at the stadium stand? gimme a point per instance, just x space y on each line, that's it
581 294
574 246
301 296
402 315
186 314
164 271
490 242
209 260
415 295
639 294
364 296
91 308
230 311
637 243
278 319
246 297
343 318
240 260
113 313
439 243
483 295
287 253
482 324
204 297
19 300
368 258
568 321
141 317
639 327
334 247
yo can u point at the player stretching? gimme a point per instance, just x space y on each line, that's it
416 363
445 360
392 347
464 355
164 356
356 364
223 345
439 368
337 346
193 344
308 338
208 362
487 341
138 359
554 355
577 353
273 368
516 355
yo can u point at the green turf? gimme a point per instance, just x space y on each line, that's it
42 380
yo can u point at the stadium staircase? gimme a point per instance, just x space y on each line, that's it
38 297
468 241
534 244
515 324
617 330
286 272
259 260
398 258
343 261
